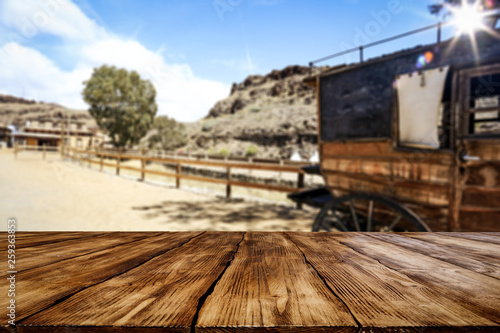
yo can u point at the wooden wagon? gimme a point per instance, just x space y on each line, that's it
411 140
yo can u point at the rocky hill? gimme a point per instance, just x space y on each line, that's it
16 111
270 116
273 115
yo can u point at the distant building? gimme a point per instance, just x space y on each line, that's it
5 133
51 133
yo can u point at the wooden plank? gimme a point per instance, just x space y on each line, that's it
270 286
490 237
418 192
479 219
383 149
485 174
42 255
463 258
41 238
381 298
163 292
485 250
402 157
357 148
476 292
42 287
487 149
395 168
481 197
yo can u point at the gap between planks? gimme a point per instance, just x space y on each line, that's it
211 289
360 327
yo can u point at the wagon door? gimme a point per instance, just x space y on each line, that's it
477 196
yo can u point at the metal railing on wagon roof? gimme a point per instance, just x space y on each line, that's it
361 48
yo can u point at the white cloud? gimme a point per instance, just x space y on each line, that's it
180 94
39 77
56 17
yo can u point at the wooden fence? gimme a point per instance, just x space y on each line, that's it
231 158
100 158
43 148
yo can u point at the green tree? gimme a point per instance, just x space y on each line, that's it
121 103
167 134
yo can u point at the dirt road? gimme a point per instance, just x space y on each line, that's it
52 195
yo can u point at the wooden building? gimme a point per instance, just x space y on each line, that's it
5 133
52 133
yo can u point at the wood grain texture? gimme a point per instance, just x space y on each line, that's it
24 240
474 291
472 260
383 297
486 237
416 192
42 255
163 292
269 285
394 167
487 149
259 282
42 287
383 149
484 250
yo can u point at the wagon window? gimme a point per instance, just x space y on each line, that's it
423 109
484 105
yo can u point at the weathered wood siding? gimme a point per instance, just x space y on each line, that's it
422 181
480 188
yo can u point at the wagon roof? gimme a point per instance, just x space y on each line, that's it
311 80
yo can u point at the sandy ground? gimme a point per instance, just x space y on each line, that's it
52 195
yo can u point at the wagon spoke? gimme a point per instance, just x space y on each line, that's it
339 221
354 216
393 224
369 212
370 216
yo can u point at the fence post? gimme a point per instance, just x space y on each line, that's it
143 165
118 165
300 184
178 177
101 160
15 150
44 151
228 186
89 156
281 172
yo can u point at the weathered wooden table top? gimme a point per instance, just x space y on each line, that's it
254 282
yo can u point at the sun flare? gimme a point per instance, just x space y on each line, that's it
468 19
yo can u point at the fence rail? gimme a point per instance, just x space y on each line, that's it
177 155
100 158
43 148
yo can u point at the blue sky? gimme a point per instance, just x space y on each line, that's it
193 50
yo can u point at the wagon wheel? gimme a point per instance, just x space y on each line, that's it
367 212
